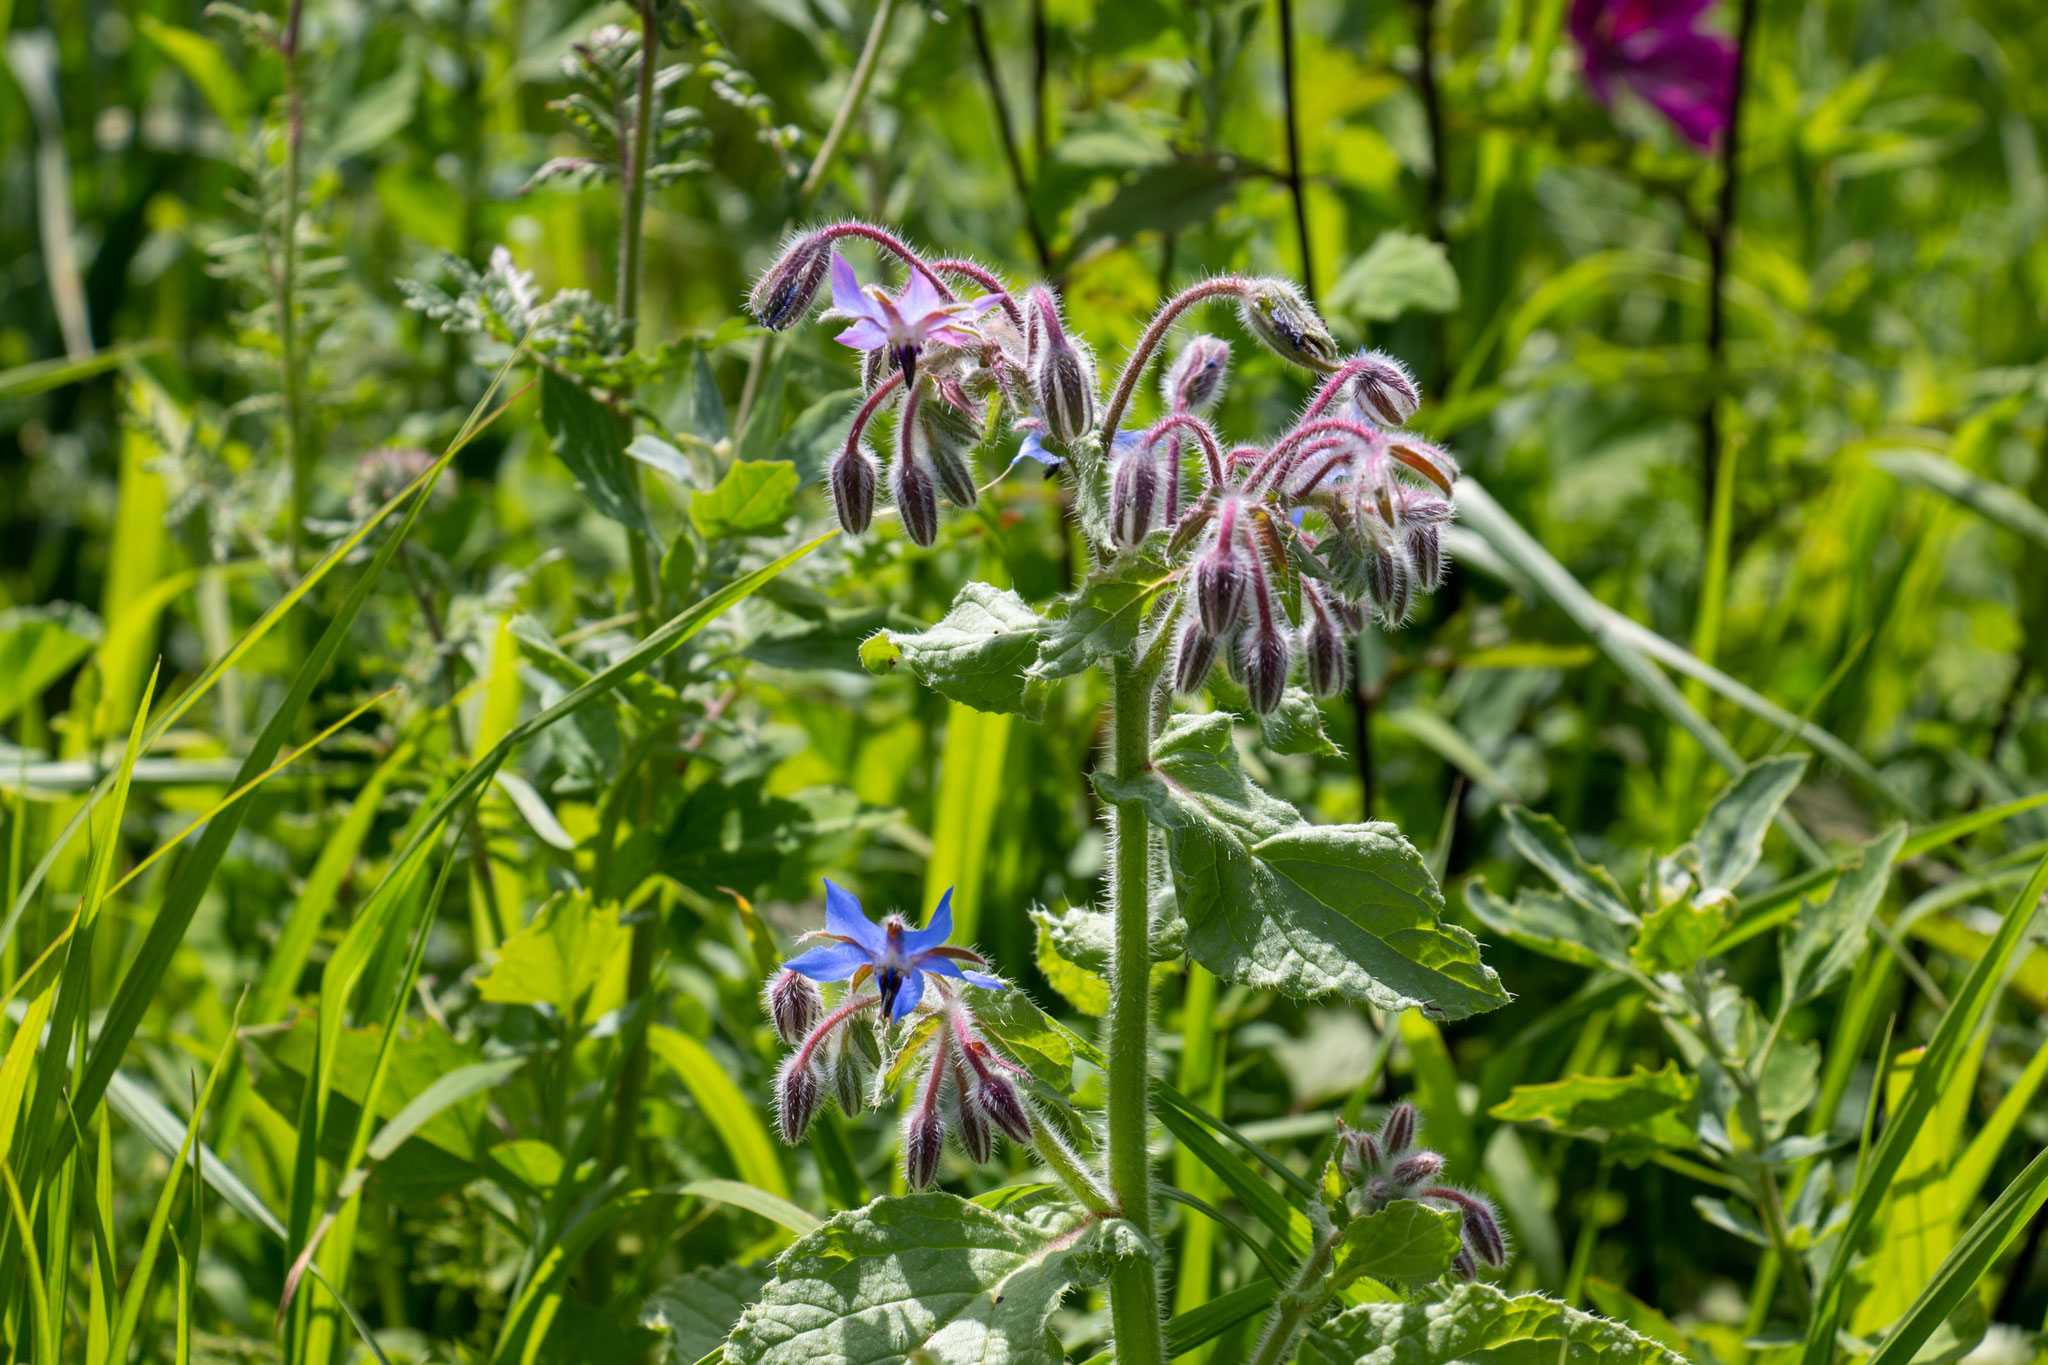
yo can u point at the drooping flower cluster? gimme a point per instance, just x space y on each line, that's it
1379 1168
1280 552
893 973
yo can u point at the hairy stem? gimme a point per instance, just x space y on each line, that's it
1297 1302
1141 354
1134 1283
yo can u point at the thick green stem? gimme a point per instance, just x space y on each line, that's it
1134 1283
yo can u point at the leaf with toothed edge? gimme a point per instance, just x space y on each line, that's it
1276 903
924 1276
976 655
1101 618
1479 1325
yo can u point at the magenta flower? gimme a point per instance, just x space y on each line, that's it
1655 49
904 324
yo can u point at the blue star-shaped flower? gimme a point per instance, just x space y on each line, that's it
895 954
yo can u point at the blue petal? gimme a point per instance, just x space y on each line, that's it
909 995
985 981
1033 448
844 917
1126 438
832 962
935 933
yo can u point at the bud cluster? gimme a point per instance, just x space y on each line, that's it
962 1086
1375 1169
1284 550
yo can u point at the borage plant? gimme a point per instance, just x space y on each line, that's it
1266 559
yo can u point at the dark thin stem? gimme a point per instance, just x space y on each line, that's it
1040 67
1718 240
978 25
1292 119
1433 115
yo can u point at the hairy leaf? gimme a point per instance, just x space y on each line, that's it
1478 1325
1277 903
1649 1107
1550 925
1543 842
1820 946
1404 1243
926 1276
976 655
1731 837
695 1312
1100 618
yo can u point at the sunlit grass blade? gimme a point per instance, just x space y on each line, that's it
41 376
38 1285
774 1207
133 1299
731 1115
1993 501
1263 1201
1945 1052
1967 1265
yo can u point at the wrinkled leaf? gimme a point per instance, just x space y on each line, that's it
1405 1243
1476 1323
977 654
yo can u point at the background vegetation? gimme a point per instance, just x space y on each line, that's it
1751 473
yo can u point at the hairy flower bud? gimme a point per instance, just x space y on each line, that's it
1462 1264
1481 1229
1194 382
1389 580
1266 656
1221 579
1384 390
1134 496
850 1073
951 430
924 1141
977 1134
1001 1102
1415 1168
1425 546
1397 1134
798 1090
793 1004
852 477
1276 313
1062 372
1324 653
917 501
787 289
1358 1156
1194 655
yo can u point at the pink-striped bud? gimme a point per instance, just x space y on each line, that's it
852 477
1415 1168
1462 1264
1397 1134
1062 372
1001 1102
916 499
977 1133
1266 656
1134 496
924 1141
1389 579
798 1091
1325 655
1194 655
793 1004
1425 546
1384 390
1221 579
1481 1228
787 289
1358 1156
1194 382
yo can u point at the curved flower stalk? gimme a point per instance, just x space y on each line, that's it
962 1085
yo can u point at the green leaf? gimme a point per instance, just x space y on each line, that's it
38 645
588 438
755 498
695 1312
1543 842
1295 726
1993 501
1551 925
205 65
1399 272
1821 945
741 1195
1162 199
561 958
1731 837
1278 904
1082 987
1644 1106
1029 1036
1405 1243
1677 935
1476 1324
927 1276
976 655
659 455
1100 618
